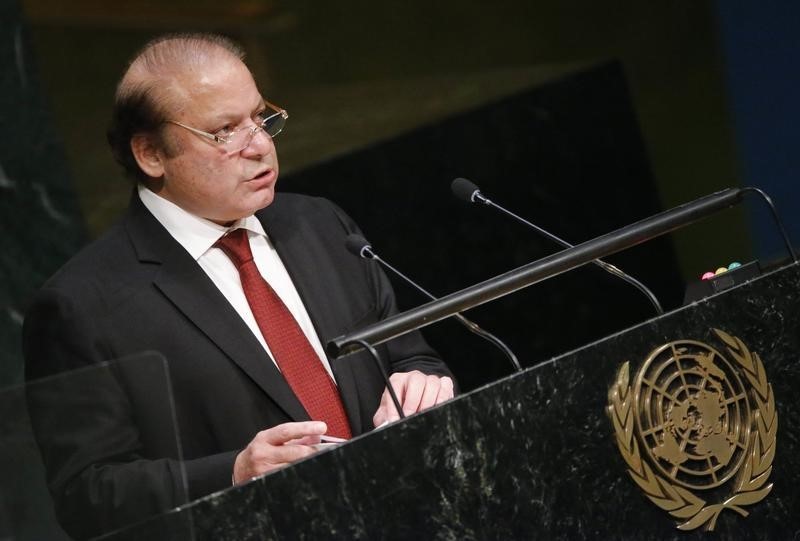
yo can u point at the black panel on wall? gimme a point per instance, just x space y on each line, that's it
568 155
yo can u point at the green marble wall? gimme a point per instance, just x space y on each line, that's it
40 223
41 227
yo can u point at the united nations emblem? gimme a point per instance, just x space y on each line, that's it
697 429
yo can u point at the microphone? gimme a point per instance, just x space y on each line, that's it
469 192
537 271
359 246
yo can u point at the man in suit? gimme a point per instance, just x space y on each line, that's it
190 125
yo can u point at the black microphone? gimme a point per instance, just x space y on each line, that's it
359 246
468 192
537 271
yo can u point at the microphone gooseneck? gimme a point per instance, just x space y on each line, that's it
359 246
468 191
538 271
377 358
776 218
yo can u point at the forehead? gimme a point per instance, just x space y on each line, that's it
221 87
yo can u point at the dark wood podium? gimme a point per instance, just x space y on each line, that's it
536 455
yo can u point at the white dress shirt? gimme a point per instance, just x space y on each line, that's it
198 235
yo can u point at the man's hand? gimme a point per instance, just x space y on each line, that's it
416 392
277 447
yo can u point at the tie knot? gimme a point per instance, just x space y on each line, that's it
236 246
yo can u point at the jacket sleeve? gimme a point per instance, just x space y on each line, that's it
409 351
103 469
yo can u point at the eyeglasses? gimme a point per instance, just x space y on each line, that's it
237 139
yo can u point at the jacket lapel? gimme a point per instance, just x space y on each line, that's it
193 293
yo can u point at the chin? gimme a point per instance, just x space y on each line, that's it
267 199
262 202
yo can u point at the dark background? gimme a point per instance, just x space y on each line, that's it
693 97
568 155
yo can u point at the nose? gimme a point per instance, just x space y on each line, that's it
260 143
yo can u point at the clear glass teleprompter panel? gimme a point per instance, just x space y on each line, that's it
90 451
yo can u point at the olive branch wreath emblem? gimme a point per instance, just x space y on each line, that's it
754 473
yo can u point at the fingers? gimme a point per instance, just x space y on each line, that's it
401 382
416 392
267 457
430 393
386 411
305 440
424 391
446 390
283 433
413 385
276 447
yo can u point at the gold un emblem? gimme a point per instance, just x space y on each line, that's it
696 430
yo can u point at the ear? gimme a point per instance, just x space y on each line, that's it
148 155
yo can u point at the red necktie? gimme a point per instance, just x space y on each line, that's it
297 360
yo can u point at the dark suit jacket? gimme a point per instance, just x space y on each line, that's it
136 289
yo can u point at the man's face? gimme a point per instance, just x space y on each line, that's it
202 177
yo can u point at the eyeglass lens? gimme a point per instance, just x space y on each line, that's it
272 125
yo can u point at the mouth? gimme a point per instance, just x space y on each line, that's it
265 176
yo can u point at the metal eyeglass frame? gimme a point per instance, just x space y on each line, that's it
224 140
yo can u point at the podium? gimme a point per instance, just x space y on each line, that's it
536 455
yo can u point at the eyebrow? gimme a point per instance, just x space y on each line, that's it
230 118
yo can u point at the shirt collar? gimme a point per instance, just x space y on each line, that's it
197 235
